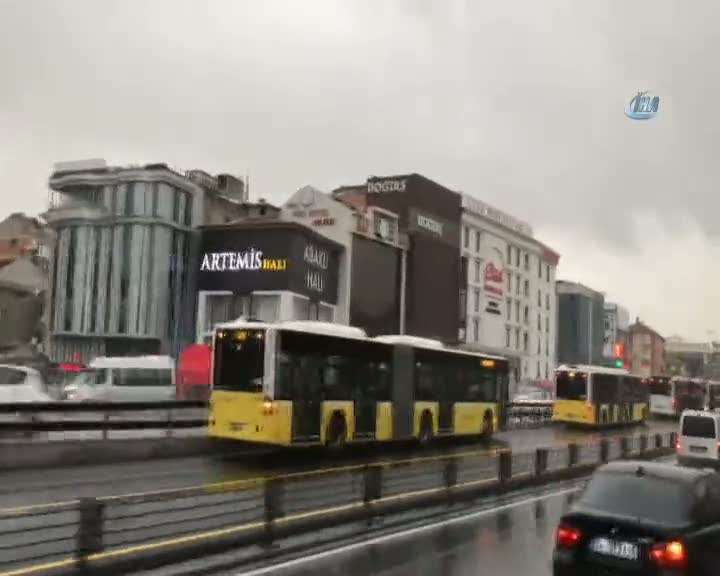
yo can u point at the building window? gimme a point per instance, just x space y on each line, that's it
517 257
477 240
476 329
509 282
466 237
526 315
507 336
547 347
539 323
547 272
526 341
517 285
508 304
547 301
540 268
517 311
517 338
547 324
539 299
538 370
130 199
509 255
526 288
527 262
476 302
547 371
477 271
539 345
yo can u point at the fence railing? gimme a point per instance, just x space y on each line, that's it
137 531
104 417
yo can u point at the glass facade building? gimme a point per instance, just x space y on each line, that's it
120 280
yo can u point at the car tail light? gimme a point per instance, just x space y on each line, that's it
674 402
669 554
677 445
567 536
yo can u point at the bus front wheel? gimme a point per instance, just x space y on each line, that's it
487 427
337 432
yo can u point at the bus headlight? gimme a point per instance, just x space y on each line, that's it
267 406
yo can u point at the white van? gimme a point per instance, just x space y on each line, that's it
21 384
699 438
125 379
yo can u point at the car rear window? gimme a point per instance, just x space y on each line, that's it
698 427
653 499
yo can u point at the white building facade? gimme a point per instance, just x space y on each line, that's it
511 301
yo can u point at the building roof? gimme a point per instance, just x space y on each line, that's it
639 326
270 224
24 272
568 287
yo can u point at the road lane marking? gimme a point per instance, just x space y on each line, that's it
403 533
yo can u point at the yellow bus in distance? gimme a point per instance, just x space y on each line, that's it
598 396
305 383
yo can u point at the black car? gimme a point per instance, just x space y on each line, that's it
642 518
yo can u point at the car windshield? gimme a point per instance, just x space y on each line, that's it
11 376
647 497
87 378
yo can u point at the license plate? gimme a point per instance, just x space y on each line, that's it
697 449
614 548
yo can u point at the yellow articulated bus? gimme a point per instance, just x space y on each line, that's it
598 396
306 383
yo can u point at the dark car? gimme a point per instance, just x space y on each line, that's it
642 518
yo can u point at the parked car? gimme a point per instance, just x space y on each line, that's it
642 518
125 379
698 440
22 384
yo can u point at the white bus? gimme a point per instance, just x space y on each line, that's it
670 396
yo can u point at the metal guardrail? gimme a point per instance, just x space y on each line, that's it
127 533
168 415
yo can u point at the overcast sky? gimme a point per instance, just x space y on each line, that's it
518 102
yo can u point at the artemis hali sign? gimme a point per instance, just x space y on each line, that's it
245 261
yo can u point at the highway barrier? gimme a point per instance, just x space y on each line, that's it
104 417
121 534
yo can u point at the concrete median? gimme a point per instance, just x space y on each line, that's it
24 454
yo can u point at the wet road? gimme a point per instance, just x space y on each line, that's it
26 487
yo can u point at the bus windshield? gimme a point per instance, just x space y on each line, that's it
571 386
660 387
239 360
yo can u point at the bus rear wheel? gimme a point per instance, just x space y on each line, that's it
336 433
426 429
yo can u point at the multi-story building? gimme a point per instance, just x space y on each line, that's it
510 278
121 283
615 339
686 357
429 215
581 326
26 237
647 350
357 281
